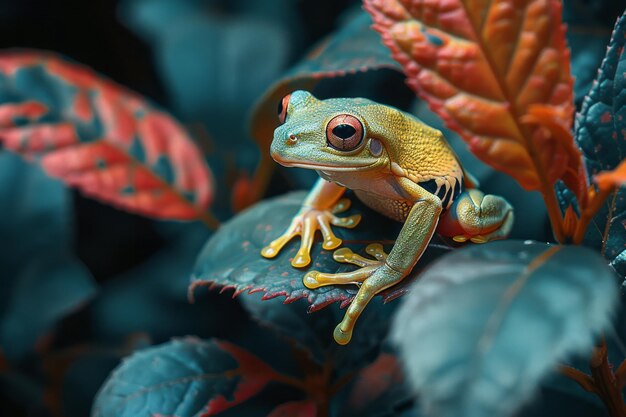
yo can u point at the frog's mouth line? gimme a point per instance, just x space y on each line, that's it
322 167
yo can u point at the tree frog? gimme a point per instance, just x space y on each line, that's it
396 165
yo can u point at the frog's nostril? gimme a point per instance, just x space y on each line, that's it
292 139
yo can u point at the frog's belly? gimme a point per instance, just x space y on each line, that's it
395 209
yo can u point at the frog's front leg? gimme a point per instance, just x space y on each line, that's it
386 271
317 213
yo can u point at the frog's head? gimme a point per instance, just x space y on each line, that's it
326 135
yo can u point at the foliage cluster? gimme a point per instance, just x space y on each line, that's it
480 328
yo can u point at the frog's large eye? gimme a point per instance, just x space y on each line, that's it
344 132
282 109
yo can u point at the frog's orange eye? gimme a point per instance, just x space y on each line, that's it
344 132
282 109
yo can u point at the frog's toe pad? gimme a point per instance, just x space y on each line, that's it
310 280
301 259
342 337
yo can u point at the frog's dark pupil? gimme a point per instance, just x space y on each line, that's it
344 131
280 107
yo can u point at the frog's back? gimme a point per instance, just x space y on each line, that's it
417 152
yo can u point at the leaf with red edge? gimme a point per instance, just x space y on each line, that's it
232 259
295 409
186 377
101 138
481 66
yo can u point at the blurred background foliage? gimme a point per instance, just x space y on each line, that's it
84 284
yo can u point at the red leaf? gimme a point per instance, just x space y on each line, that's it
253 373
243 193
481 65
102 138
374 380
295 409
609 180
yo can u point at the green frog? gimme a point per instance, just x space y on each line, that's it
396 165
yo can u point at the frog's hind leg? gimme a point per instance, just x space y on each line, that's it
477 217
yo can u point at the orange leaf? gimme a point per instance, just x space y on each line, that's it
609 180
481 65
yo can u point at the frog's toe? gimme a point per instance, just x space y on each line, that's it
376 250
315 279
341 206
310 280
346 256
302 259
272 250
330 240
342 337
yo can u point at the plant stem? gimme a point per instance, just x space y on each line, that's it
554 213
605 383
209 220
587 214
262 176
585 381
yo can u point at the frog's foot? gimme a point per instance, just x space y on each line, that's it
477 217
305 224
374 276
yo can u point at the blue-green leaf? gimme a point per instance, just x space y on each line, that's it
151 298
601 134
38 268
485 324
186 378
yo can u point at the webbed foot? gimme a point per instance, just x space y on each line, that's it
373 276
306 223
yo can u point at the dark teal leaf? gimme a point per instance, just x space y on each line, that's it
51 286
485 324
151 298
589 25
186 377
311 333
354 48
601 134
83 378
41 280
231 259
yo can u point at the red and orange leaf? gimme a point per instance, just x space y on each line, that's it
481 65
101 138
610 180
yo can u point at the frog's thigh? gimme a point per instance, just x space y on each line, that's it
410 245
478 217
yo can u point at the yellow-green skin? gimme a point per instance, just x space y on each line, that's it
416 179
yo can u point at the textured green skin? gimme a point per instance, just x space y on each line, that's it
388 182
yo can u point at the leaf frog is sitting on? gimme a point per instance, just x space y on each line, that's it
396 165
